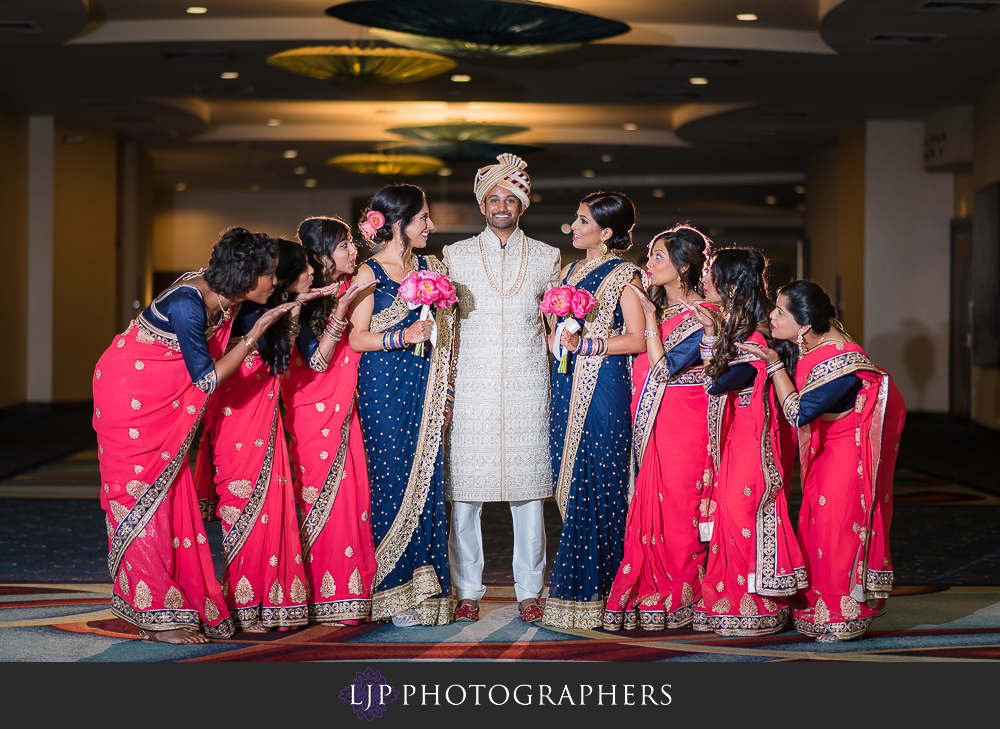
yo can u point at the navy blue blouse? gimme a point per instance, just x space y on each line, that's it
837 396
737 377
682 355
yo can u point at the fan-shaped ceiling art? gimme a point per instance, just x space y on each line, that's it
458 131
384 65
478 27
376 163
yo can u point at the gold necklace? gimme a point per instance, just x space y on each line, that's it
579 274
225 311
810 349
521 269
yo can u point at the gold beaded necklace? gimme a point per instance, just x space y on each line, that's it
521 269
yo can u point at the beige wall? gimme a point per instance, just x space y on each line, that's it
84 276
187 224
821 218
851 231
14 227
907 262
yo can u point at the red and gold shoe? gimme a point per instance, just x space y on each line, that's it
467 613
532 613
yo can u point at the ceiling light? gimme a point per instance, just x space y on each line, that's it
274 122
698 80
195 10
384 65
310 182
229 74
536 198
588 173
458 131
800 189
376 163
606 158
180 187
746 16
657 193
444 172
461 78
299 170
771 200
629 127
565 228
255 187
290 154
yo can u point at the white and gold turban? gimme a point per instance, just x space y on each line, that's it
508 173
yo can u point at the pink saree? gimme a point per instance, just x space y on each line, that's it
243 455
847 470
754 562
146 412
331 483
659 580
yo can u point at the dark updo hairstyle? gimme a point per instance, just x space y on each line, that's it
238 260
398 203
686 246
276 349
739 275
810 306
320 236
615 211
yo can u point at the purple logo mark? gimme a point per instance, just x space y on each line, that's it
369 694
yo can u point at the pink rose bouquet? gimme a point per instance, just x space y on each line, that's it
426 289
569 303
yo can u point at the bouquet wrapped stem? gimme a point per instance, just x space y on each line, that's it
426 289
563 301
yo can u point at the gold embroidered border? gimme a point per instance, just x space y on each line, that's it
741 625
877 583
237 536
836 367
429 439
271 617
847 630
569 614
143 510
319 513
412 594
651 619
339 610
167 619
585 374
148 330
716 415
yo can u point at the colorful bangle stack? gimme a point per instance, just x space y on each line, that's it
706 346
392 340
294 328
775 367
592 347
335 327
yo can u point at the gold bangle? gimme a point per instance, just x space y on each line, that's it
250 342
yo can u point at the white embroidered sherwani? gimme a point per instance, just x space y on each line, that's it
499 444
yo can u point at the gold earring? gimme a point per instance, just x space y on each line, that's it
802 344
603 249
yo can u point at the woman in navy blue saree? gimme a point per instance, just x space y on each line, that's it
402 401
590 415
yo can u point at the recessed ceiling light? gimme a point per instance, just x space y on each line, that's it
800 189
299 170
606 158
536 198
698 80
229 74
310 182
629 127
255 187
444 172
746 16
461 78
180 187
290 154
657 193
588 173
274 122
771 200
195 10
565 228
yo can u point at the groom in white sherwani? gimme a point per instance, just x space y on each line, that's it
499 444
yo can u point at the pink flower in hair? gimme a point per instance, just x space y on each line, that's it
373 220
582 302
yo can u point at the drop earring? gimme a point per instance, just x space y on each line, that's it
802 344
603 248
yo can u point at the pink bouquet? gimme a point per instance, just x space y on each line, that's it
564 301
426 289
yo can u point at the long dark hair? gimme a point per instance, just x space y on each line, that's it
686 246
238 260
320 236
810 306
615 211
276 349
398 203
739 275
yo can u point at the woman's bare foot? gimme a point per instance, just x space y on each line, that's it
181 636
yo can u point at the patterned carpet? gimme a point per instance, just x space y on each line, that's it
54 591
